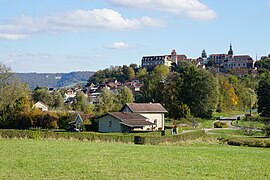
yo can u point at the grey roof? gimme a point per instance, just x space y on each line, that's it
146 107
131 119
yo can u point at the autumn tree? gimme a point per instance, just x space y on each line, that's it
14 100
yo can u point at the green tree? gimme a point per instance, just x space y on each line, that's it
58 100
151 91
199 90
171 95
141 74
263 93
106 101
123 96
80 102
43 94
263 65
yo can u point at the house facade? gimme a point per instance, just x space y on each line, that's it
231 61
40 105
153 61
154 112
123 122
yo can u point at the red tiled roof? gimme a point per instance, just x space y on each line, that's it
181 57
145 107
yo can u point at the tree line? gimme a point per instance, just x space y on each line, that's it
183 89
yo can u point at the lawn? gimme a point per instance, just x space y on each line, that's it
228 114
66 159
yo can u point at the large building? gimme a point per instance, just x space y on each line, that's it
231 61
149 62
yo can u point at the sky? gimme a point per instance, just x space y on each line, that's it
89 35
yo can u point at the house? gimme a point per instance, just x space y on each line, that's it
124 122
77 124
154 112
41 105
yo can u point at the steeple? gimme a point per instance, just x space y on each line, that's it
230 52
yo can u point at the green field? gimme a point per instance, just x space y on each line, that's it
66 159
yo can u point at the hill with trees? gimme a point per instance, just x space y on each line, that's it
55 80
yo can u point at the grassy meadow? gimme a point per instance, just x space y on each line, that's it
67 159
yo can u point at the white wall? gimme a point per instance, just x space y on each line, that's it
159 117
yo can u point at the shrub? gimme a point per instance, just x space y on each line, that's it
64 120
139 140
219 124
266 130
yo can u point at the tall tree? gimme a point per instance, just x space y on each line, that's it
14 99
199 90
263 93
123 96
43 94
58 100
141 74
106 101
151 91
80 102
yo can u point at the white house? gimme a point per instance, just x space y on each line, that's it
41 105
154 112
123 122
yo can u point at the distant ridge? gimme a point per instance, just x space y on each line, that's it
55 80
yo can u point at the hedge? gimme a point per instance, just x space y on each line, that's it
250 142
93 136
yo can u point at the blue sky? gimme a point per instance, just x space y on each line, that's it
78 35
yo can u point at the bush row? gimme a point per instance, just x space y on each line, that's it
93 136
251 142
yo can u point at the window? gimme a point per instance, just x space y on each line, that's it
155 121
110 123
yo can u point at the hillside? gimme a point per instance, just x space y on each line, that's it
55 80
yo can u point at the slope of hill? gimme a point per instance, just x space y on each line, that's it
55 80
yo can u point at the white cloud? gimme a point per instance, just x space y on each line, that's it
72 21
119 45
12 36
191 8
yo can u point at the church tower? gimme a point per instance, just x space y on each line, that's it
230 52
